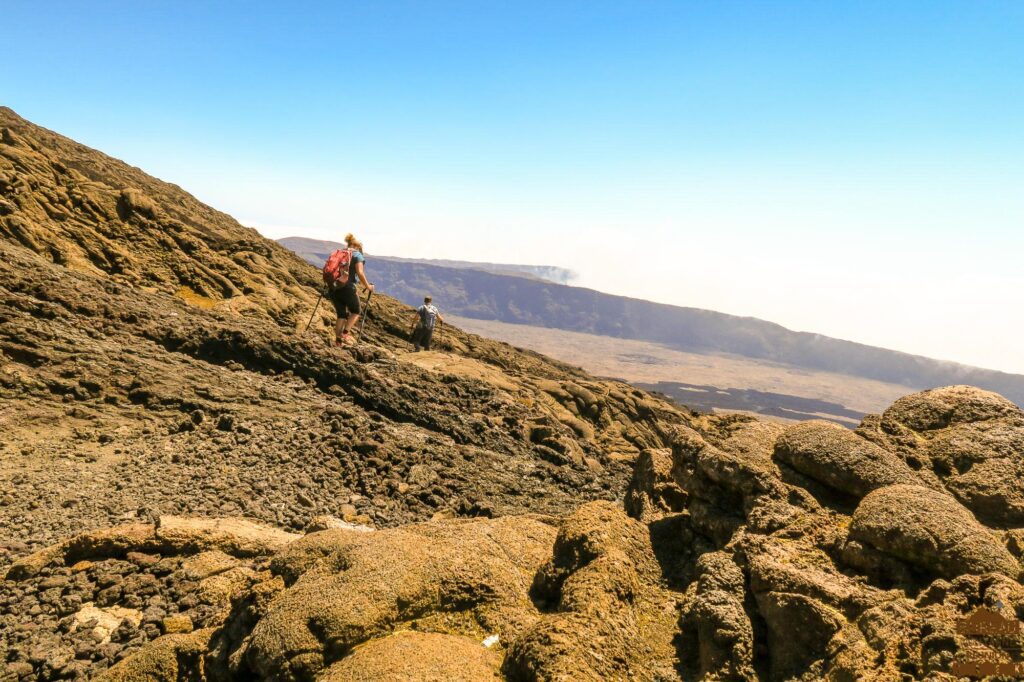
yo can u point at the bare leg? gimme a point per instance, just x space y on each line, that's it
339 329
350 322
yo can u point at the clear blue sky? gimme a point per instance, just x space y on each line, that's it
855 169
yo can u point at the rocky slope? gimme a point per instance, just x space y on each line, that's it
194 490
485 294
151 363
182 347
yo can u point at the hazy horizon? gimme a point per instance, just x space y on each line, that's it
849 170
575 283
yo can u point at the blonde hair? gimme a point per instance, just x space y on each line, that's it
353 243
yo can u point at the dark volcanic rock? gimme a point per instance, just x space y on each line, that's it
463 507
153 366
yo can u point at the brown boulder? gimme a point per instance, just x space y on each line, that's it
352 587
930 531
799 631
982 465
614 620
235 536
414 656
172 535
169 658
715 623
835 456
963 439
652 491
116 541
942 407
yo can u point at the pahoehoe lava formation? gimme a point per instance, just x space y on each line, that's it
193 490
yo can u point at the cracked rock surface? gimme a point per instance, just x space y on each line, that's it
195 489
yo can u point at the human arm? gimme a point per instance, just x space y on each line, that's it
361 271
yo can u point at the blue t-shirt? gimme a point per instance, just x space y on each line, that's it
353 276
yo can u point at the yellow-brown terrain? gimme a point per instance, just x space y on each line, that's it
193 489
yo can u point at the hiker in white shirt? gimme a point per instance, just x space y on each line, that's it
423 324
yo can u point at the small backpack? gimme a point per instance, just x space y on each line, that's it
428 314
336 269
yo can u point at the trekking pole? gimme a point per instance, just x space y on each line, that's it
314 311
366 311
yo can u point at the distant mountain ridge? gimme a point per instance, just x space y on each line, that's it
199 485
475 293
316 251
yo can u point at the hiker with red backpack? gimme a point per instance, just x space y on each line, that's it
342 273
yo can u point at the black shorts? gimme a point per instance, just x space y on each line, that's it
346 301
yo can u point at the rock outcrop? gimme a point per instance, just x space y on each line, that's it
964 440
194 490
344 589
930 531
153 368
728 569
608 614
836 555
832 455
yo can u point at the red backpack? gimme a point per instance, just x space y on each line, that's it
336 268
